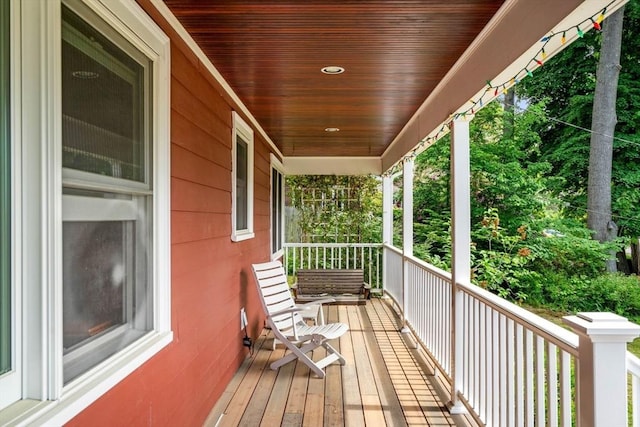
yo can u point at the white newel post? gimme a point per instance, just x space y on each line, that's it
460 248
601 376
407 231
387 223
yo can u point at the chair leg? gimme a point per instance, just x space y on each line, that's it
330 349
300 354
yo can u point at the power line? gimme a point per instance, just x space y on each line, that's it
598 212
591 131
520 109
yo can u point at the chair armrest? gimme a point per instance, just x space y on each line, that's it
287 311
366 288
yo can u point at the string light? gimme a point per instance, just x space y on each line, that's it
595 21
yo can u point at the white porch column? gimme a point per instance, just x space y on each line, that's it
601 376
460 247
407 232
387 209
387 222
407 207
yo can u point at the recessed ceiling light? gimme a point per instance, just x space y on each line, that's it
333 69
332 130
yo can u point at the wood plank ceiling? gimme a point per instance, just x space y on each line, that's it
394 52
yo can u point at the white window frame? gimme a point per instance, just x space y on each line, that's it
243 131
11 382
277 166
37 212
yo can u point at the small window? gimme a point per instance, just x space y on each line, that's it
242 180
277 208
107 193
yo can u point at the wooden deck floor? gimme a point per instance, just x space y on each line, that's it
384 381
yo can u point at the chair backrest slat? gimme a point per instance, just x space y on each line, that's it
275 294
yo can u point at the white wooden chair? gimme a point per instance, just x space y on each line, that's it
283 317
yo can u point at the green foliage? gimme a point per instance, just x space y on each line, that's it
334 209
607 292
564 88
525 246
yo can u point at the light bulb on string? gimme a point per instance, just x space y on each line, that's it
563 40
580 32
596 25
544 55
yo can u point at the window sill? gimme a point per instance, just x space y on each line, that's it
82 392
242 236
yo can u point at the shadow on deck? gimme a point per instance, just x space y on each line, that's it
385 382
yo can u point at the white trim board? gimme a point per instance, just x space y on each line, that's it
332 165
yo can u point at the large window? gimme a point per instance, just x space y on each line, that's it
84 195
277 208
242 180
107 192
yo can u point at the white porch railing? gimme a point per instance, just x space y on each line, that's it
633 368
518 368
367 256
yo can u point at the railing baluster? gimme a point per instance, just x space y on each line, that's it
315 253
495 369
540 382
503 366
324 257
635 400
529 355
511 373
552 385
565 389
482 407
520 374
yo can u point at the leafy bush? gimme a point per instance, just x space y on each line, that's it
571 251
615 292
612 292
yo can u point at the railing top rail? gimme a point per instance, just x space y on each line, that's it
633 364
332 245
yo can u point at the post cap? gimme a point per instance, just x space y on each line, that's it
604 327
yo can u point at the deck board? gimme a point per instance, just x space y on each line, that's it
384 382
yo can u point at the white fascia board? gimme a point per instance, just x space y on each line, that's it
332 165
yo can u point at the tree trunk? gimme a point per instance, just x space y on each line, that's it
635 257
509 109
603 127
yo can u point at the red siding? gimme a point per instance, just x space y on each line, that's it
211 275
